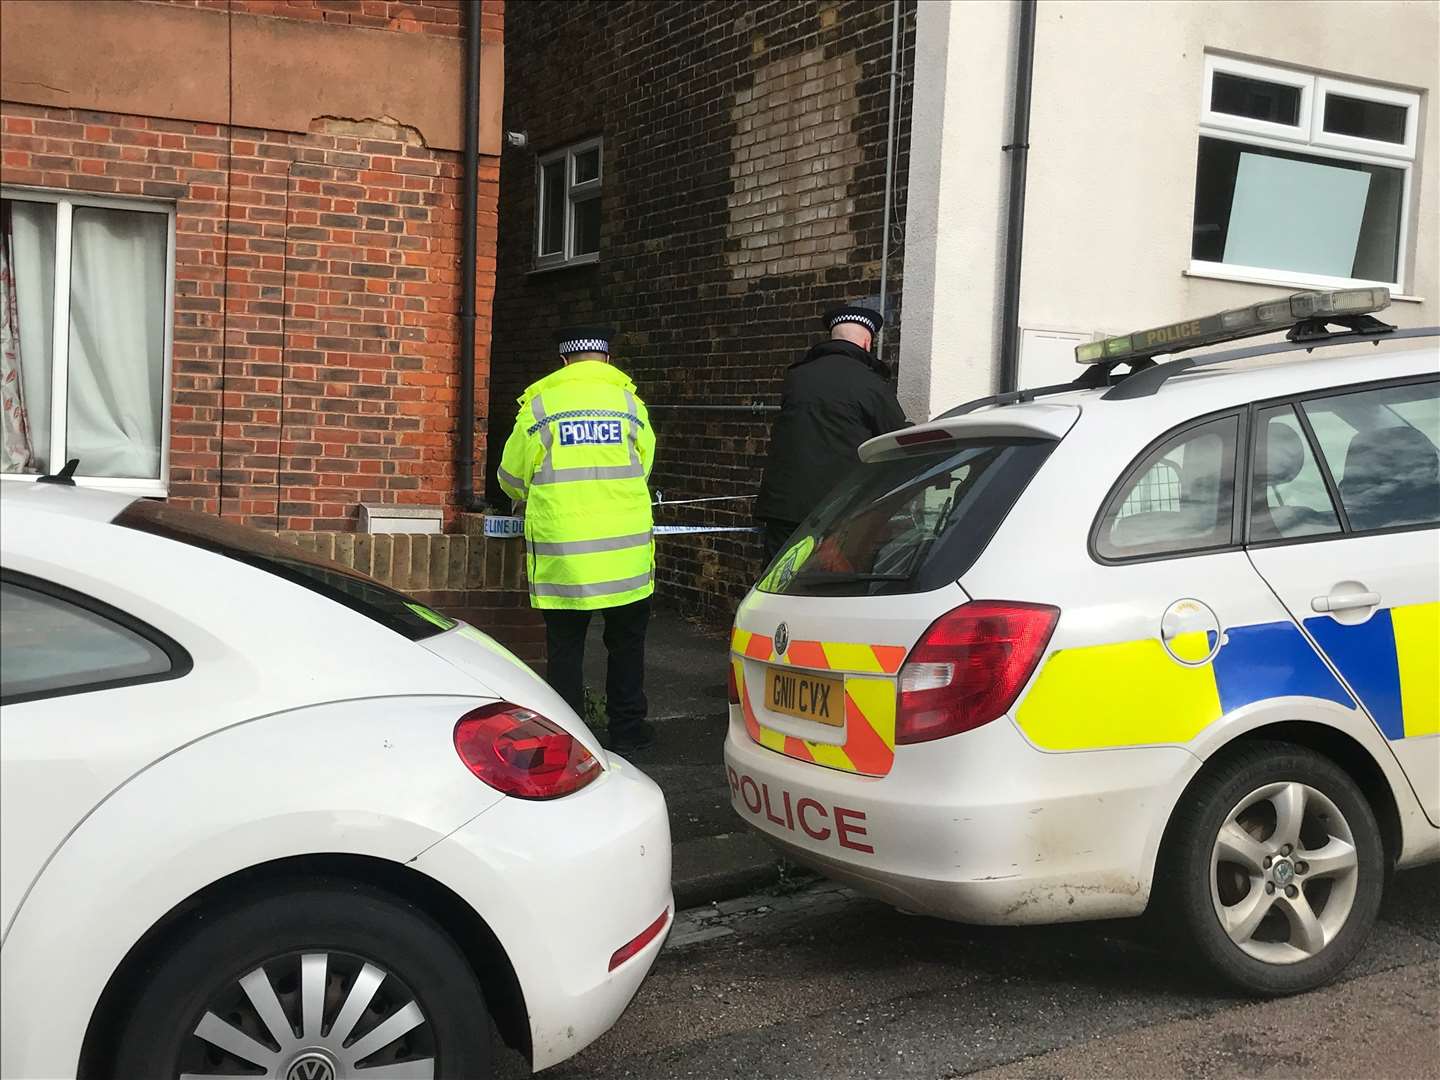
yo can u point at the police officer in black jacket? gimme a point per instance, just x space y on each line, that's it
835 397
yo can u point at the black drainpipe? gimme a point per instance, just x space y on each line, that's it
1019 151
465 473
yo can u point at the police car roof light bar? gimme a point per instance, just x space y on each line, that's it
1265 317
1307 316
1148 383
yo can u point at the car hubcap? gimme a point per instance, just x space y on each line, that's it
1283 873
312 1016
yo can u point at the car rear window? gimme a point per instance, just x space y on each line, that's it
907 524
346 586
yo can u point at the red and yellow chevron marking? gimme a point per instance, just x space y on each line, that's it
869 745
821 655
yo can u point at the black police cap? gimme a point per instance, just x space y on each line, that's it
867 317
578 339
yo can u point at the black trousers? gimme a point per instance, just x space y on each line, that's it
625 704
772 540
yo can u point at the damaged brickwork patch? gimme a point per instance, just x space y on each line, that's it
369 127
795 152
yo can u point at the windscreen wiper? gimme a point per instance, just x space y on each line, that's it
836 578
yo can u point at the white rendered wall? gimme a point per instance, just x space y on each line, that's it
1110 197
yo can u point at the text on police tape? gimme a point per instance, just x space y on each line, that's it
589 432
495 525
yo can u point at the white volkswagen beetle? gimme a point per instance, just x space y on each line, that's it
1165 642
262 813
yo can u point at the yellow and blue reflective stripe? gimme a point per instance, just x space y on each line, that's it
1270 660
1390 661
1132 693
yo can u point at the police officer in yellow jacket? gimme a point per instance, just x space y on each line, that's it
579 458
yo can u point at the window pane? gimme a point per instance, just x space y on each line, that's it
115 404
552 209
27 324
1381 446
587 165
587 227
1181 500
47 644
1287 494
910 520
1365 119
1281 210
1239 95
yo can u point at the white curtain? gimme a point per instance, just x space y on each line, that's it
27 296
117 342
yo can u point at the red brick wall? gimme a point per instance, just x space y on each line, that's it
316 354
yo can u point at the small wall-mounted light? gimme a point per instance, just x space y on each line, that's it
516 138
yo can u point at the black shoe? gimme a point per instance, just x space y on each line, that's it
631 742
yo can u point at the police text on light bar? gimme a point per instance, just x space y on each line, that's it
1261 318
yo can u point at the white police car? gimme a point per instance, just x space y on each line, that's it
1165 640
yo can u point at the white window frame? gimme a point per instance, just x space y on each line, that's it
65 203
1245 69
1308 136
1325 86
575 193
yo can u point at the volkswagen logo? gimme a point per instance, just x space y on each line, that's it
311 1066
782 639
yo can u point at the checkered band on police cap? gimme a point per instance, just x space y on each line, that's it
870 319
578 339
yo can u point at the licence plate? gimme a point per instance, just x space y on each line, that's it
805 696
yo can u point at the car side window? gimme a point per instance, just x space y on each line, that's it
1288 497
1180 498
1382 447
50 646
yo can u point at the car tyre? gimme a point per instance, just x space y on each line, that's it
327 956
1280 868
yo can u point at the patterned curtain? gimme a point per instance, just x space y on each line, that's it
15 449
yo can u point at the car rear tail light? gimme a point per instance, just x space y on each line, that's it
969 667
649 934
733 687
520 753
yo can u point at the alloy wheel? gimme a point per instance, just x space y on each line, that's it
1284 873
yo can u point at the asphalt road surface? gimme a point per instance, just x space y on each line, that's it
823 984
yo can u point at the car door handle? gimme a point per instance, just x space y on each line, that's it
1345 601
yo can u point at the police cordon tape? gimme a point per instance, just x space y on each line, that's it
497 526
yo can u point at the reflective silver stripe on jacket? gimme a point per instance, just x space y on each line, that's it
602 588
588 547
549 473
506 478
537 410
634 410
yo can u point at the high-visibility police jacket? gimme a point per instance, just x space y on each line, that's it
579 458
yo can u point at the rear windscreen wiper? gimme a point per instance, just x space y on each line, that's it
829 578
